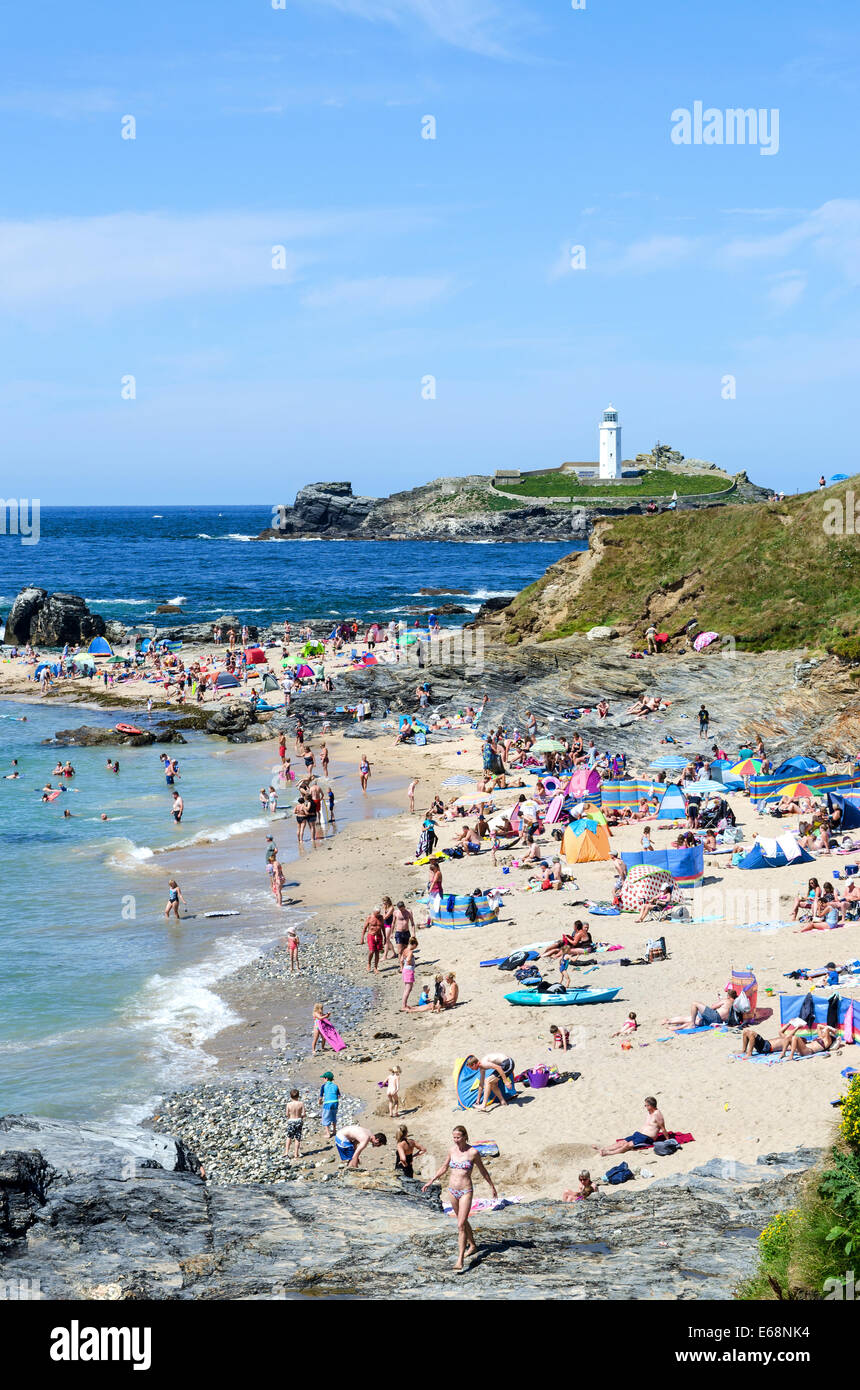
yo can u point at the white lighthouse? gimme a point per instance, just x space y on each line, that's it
610 444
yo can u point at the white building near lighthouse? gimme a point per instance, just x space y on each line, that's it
610 444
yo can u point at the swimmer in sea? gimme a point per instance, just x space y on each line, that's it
177 808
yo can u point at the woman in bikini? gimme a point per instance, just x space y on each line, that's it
386 912
461 1159
827 1039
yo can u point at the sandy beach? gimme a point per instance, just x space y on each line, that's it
735 1109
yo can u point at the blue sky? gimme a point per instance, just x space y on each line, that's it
406 257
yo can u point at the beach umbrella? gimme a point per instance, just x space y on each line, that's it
669 761
458 780
796 789
839 478
644 884
547 745
750 767
479 799
705 639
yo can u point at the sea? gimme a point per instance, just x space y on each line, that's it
104 1005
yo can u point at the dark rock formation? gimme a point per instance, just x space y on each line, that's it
324 507
168 608
96 736
124 1214
230 719
51 620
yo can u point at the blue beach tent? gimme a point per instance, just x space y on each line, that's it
848 805
771 856
674 805
100 646
798 768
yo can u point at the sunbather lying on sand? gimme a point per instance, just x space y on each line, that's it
754 1042
705 1015
826 1040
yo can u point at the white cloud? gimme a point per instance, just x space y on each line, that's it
97 264
386 292
787 290
657 253
831 232
58 104
480 26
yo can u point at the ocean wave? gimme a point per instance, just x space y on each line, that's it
128 855
203 536
131 602
236 536
223 832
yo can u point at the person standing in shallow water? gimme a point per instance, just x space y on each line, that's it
462 1158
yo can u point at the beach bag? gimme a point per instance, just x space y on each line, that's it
514 960
472 910
620 1173
666 1146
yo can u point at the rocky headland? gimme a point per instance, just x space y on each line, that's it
116 1213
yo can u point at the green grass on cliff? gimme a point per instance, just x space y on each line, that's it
656 482
772 575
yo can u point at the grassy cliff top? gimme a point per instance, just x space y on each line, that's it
772 575
656 482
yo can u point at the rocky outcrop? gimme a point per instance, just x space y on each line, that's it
118 1214
448 509
97 736
51 620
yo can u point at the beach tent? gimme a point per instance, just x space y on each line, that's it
585 785
146 644
304 670
467 1084
270 682
315 648
849 1012
764 789
255 656
775 854
225 680
850 808
450 911
100 646
720 769
644 884
798 767
46 665
674 805
585 841
617 792
687 866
